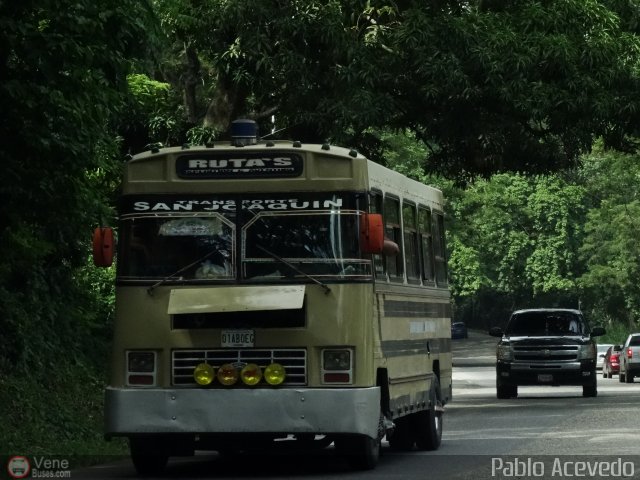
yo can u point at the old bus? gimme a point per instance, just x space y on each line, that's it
275 291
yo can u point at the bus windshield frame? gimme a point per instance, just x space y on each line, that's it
261 242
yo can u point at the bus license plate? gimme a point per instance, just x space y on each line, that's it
545 377
238 338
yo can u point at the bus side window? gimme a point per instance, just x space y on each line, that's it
439 248
394 264
412 256
426 246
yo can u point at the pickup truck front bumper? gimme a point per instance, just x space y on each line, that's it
538 373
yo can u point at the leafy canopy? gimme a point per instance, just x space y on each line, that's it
487 86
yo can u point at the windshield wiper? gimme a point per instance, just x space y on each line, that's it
325 287
178 272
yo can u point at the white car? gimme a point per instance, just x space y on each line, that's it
602 350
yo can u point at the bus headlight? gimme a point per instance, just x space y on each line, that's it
141 368
274 374
203 374
337 365
251 374
227 374
336 359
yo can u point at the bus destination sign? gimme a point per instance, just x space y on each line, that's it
239 165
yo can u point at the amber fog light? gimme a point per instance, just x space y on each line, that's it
274 374
251 374
203 374
227 374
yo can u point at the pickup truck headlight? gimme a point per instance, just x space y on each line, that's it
587 352
504 353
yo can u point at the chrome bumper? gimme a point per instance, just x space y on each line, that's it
137 411
544 366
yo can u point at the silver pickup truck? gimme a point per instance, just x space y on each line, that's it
630 358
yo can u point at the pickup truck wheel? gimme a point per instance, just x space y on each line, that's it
589 391
506 391
620 376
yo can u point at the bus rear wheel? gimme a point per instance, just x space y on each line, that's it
428 423
149 457
402 438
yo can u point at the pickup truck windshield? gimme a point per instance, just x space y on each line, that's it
543 323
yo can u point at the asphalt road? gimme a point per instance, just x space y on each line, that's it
547 432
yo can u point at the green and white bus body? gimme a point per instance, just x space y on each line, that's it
247 311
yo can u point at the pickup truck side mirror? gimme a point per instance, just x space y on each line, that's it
496 332
597 331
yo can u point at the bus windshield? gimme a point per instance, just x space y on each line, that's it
253 245
317 244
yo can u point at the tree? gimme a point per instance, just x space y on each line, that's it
611 251
62 78
514 243
487 86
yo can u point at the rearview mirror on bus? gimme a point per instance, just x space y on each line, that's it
103 246
371 233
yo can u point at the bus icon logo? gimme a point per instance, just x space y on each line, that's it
18 467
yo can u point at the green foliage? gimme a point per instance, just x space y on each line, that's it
617 333
63 69
490 86
611 249
154 114
518 237
63 72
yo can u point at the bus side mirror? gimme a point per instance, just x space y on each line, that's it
371 233
103 246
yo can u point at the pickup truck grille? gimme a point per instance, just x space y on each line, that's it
294 362
546 353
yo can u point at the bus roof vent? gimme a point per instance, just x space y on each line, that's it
244 132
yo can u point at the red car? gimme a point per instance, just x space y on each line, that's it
611 365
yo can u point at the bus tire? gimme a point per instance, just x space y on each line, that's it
402 438
361 451
148 457
428 423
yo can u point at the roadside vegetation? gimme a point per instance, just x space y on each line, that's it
524 113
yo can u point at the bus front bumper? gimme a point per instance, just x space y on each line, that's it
131 411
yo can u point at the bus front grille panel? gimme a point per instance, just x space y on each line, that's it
249 319
294 362
546 353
